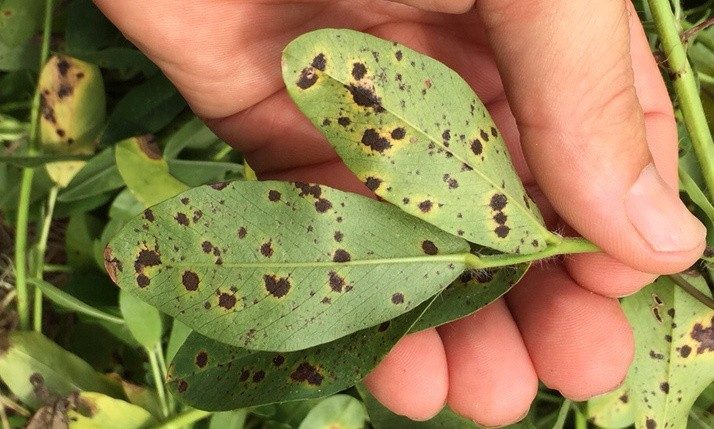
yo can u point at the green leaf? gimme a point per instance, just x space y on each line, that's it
88 29
674 353
416 134
612 410
37 160
97 411
228 420
32 358
280 266
146 108
144 321
382 418
99 175
336 412
18 57
145 172
213 376
19 20
179 334
472 291
63 299
193 134
197 173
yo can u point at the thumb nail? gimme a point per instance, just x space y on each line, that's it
660 217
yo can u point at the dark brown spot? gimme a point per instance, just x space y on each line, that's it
651 424
484 136
358 71
80 75
398 133
322 205
341 255
319 62
60 132
326 300
398 55
337 282
366 98
534 243
276 286
278 360
274 195
429 247
624 398
7 12
326 122
201 359
664 386
502 231
182 386
244 374
338 236
671 312
148 145
146 258
242 232
207 246
111 264
63 66
425 206
500 218
197 215
307 372
705 337
219 185
149 215
446 135
684 351
190 280
397 298
668 338
64 91
498 202
181 218
307 78
258 376
344 121
307 189
383 326
453 183
227 301
266 249
655 355
142 280
48 112
372 183
476 147
207 305
494 132
375 142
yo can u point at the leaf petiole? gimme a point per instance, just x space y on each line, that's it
565 246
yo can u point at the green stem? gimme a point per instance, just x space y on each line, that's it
564 247
23 206
686 88
158 381
692 291
580 420
688 185
562 415
39 265
184 419
162 367
54 268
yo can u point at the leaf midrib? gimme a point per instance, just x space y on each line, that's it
454 258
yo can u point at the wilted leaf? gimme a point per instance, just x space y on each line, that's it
280 266
214 376
145 172
612 410
97 411
32 365
336 412
674 352
144 321
415 133
73 107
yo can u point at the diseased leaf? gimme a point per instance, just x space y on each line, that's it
280 266
470 292
32 364
97 411
213 376
415 133
612 410
674 352
145 172
336 412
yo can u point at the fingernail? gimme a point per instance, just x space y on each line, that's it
657 213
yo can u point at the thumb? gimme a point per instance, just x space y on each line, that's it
598 152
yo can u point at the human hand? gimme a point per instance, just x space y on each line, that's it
580 102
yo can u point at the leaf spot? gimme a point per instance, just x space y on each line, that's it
190 280
242 232
266 249
322 205
429 247
307 372
398 298
278 360
258 376
358 71
227 301
276 286
201 359
319 62
425 206
181 218
307 78
341 255
498 202
373 183
374 141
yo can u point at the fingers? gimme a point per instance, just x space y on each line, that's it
412 380
571 86
446 6
580 343
491 378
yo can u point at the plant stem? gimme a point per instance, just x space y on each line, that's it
688 185
162 367
23 207
686 88
692 291
39 265
54 268
564 247
562 415
580 420
184 419
158 381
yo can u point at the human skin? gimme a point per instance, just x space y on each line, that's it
577 95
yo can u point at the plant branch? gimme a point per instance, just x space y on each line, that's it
692 291
23 207
686 88
692 32
562 415
566 246
39 265
158 381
